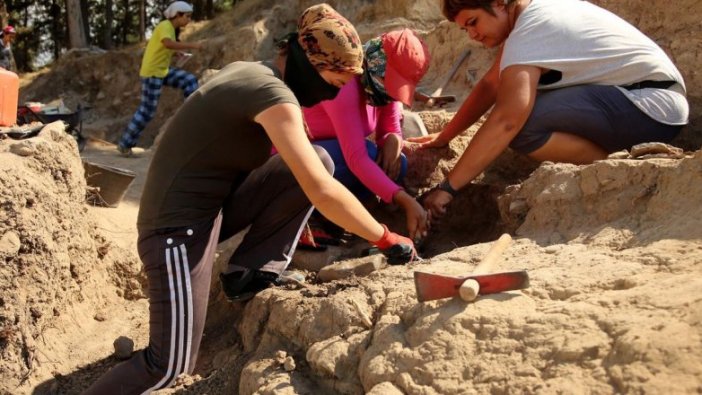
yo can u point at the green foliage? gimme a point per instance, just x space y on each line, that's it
42 25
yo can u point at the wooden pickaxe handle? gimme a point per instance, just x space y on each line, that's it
470 289
496 250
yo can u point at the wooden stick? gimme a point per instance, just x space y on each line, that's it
470 288
449 77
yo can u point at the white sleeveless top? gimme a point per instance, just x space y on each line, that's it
590 45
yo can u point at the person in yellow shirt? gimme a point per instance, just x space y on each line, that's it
156 71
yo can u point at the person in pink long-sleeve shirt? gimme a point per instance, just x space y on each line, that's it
354 124
372 103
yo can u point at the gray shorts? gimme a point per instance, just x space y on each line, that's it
601 114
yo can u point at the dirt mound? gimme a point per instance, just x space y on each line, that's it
630 202
43 244
53 255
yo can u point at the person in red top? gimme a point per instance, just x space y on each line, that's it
7 60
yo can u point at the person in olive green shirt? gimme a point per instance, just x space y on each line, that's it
7 60
213 175
156 71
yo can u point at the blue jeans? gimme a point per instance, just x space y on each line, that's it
344 175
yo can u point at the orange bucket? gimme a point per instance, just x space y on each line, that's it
9 95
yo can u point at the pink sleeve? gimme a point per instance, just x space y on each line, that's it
389 117
348 115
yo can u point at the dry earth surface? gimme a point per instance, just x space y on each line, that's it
613 249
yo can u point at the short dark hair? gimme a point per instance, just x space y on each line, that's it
451 8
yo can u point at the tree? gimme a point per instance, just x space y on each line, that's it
107 41
84 7
46 28
77 35
203 9
142 20
57 33
3 14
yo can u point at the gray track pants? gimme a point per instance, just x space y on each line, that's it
178 263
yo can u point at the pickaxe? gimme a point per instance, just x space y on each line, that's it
431 286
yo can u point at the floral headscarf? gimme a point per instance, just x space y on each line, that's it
329 40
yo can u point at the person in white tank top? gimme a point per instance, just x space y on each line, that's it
571 82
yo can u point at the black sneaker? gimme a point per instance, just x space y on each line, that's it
243 285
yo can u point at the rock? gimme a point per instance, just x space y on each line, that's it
23 148
100 316
384 388
289 364
623 154
365 318
186 380
324 355
10 244
280 356
353 267
124 347
552 249
287 361
657 150
315 260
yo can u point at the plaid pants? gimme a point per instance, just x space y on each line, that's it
150 94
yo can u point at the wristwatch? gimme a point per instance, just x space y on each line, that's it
446 186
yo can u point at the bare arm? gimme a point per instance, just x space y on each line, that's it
515 100
178 45
481 98
283 124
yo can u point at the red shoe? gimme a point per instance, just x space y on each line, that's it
323 237
307 241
